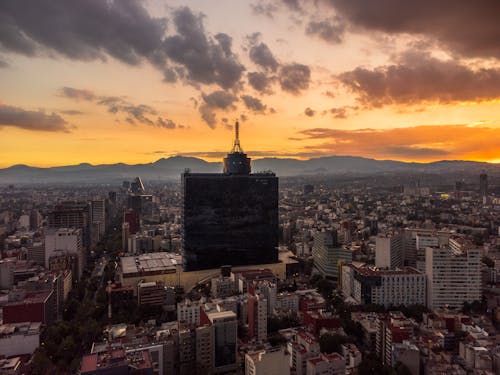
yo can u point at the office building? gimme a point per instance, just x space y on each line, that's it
72 215
230 218
453 275
328 254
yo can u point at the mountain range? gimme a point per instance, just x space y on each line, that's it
171 168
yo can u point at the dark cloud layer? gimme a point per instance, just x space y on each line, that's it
468 27
261 82
217 100
80 29
94 29
254 104
261 55
31 120
207 60
420 78
294 78
330 30
135 113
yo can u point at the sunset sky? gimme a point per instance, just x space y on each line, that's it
103 81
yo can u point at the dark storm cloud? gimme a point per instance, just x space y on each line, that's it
309 112
260 81
330 30
165 123
468 27
31 120
294 78
420 78
253 104
207 60
261 55
81 29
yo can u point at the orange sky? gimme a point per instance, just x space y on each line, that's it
335 84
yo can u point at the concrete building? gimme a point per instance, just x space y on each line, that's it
19 338
274 361
225 326
389 251
151 293
331 364
408 354
188 312
328 254
453 276
65 241
365 284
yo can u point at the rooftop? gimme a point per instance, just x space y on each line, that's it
150 263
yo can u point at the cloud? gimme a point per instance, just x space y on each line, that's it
418 78
220 99
330 30
31 120
254 104
81 29
339 112
77 94
217 100
135 113
468 27
72 112
260 82
261 55
309 112
264 9
294 78
206 60
94 29
3 64
424 142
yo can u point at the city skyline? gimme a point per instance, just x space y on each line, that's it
133 82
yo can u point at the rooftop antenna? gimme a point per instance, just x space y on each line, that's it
236 145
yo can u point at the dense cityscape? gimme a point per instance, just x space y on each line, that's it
249 187
227 273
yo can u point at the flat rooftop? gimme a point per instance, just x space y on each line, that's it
150 264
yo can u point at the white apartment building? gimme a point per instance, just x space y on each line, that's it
453 275
188 312
327 254
389 251
365 284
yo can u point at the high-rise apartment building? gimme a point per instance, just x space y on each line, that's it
230 218
453 275
62 242
389 251
73 215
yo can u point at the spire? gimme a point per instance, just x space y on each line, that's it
236 145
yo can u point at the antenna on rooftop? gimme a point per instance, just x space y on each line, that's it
236 145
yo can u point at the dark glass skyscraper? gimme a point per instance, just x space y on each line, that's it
230 218
483 185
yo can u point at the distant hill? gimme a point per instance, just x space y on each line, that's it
171 168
